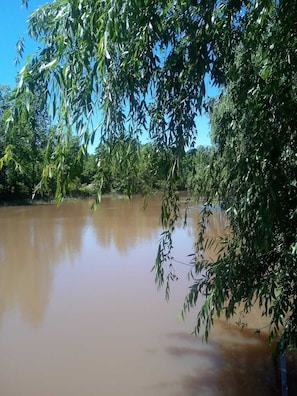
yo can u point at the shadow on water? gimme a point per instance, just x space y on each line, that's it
232 361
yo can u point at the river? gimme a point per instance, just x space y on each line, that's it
80 313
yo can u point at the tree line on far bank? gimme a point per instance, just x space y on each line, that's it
121 165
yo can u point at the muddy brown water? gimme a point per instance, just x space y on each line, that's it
80 314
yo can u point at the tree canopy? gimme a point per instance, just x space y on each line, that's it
142 65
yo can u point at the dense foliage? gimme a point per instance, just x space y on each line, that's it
141 65
25 145
121 165
254 176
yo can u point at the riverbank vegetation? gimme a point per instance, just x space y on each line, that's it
143 65
121 165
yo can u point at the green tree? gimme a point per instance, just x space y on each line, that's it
63 167
195 170
88 173
118 164
254 175
155 163
143 64
25 143
4 100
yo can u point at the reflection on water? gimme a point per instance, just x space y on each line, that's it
127 226
80 313
33 240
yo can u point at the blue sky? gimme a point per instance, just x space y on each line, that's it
13 25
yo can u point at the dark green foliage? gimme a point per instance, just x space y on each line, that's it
22 149
124 165
195 169
31 157
254 175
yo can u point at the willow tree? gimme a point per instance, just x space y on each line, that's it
142 65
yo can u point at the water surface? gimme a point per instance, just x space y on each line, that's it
80 314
